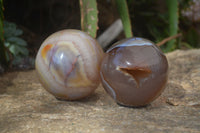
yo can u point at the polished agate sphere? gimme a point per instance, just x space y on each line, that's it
134 72
68 64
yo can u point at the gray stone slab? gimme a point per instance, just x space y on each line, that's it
26 107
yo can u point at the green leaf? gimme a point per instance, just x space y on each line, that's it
17 60
11 30
24 51
89 16
17 50
17 41
18 32
14 49
124 15
6 44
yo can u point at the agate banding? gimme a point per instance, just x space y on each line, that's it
134 72
68 64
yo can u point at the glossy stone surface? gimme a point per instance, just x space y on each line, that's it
68 64
134 72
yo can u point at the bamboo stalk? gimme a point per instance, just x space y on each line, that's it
173 22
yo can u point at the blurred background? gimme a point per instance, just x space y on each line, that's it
28 22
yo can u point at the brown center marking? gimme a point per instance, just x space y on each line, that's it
137 73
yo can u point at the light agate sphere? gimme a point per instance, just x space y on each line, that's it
68 64
134 72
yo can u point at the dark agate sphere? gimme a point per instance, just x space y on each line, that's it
134 72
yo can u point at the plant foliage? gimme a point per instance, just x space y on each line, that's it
15 45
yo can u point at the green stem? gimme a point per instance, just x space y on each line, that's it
173 22
124 15
3 60
89 16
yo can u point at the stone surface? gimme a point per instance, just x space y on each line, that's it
26 107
